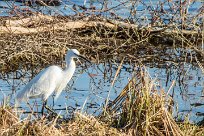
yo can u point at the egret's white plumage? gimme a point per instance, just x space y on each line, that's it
50 80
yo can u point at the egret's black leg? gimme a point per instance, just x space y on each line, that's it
31 109
43 106
49 109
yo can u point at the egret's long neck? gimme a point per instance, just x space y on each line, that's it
70 67
67 75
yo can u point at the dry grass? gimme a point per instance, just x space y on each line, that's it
89 126
10 124
189 129
40 49
99 38
7 118
81 125
143 109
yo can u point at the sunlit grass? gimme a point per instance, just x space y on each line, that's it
143 109
11 124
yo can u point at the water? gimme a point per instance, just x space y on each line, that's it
121 8
89 88
93 85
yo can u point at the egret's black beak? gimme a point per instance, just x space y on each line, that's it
80 56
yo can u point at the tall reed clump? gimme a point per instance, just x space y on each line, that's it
143 108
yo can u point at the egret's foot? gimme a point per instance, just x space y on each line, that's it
53 113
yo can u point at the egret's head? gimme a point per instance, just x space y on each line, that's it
74 53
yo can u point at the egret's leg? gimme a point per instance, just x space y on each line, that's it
36 105
43 106
49 109
46 107
52 113
31 109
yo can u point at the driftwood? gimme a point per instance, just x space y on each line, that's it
29 21
42 23
15 27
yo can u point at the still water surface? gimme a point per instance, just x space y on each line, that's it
121 8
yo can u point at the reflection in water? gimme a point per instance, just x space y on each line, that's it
88 89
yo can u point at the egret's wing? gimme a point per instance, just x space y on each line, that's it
42 85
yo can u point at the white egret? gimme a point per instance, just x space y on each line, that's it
50 80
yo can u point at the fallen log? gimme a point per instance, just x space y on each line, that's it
42 23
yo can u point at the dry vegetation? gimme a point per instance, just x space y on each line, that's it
41 40
145 110
142 108
98 43
10 124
